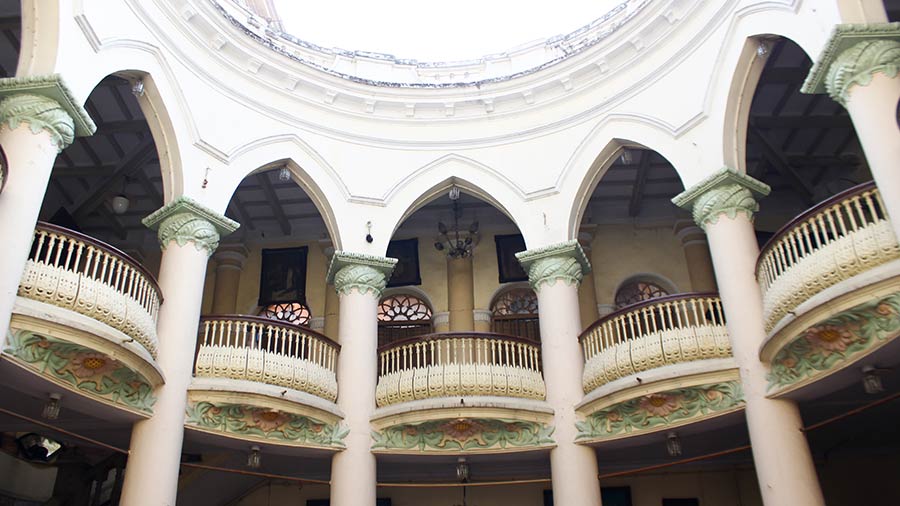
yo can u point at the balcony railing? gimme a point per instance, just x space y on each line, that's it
74 271
267 351
650 334
831 242
459 364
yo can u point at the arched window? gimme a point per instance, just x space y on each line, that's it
294 313
638 290
401 316
515 312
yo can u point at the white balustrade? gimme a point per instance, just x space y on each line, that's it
267 351
832 242
73 271
654 333
457 365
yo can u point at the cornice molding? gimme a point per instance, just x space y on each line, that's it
852 56
365 273
726 192
46 104
184 220
558 262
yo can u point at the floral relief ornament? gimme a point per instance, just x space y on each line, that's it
835 341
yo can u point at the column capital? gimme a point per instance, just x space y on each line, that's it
45 103
726 192
853 54
565 261
184 220
365 273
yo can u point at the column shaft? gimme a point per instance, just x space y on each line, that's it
229 264
460 294
587 300
332 315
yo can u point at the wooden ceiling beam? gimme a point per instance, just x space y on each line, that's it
272 197
793 122
135 161
780 162
637 191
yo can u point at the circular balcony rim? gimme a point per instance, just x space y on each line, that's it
267 321
439 336
643 304
108 248
800 218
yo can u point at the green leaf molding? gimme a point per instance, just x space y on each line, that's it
558 262
658 410
463 434
852 56
835 342
45 103
365 273
726 192
184 220
84 369
264 423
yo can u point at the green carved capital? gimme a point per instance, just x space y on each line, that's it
558 262
183 220
726 192
45 103
365 273
852 56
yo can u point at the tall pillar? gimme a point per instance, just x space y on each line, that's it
229 264
460 294
359 280
332 301
696 254
859 69
188 234
555 272
587 290
39 117
723 205
482 319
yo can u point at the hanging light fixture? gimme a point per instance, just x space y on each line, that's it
626 157
462 470
872 380
284 175
673 444
120 202
254 458
51 408
458 243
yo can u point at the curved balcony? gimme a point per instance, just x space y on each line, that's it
267 351
658 332
458 365
834 241
76 272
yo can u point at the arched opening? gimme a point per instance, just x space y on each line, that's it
514 312
640 288
402 315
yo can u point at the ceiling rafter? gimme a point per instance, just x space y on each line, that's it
134 161
272 197
781 163
637 191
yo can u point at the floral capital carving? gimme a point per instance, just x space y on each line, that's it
184 220
46 105
559 262
365 273
726 192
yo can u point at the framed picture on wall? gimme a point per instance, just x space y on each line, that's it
282 277
406 272
507 263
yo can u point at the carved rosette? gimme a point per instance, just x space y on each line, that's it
559 262
184 220
726 192
364 273
852 56
45 104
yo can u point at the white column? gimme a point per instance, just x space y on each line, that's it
724 205
359 281
555 273
460 294
229 265
188 234
38 119
859 69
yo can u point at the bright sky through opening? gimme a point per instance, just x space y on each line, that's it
432 31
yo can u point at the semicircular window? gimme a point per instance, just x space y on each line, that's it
401 316
294 313
515 312
636 291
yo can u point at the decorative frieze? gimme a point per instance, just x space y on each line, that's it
46 104
464 435
726 192
836 342
558 262
364 273
853 55
660 410
82 369
266 424
184 220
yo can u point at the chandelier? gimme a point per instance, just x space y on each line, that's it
458 242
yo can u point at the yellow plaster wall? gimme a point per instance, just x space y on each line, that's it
621 251
485 270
